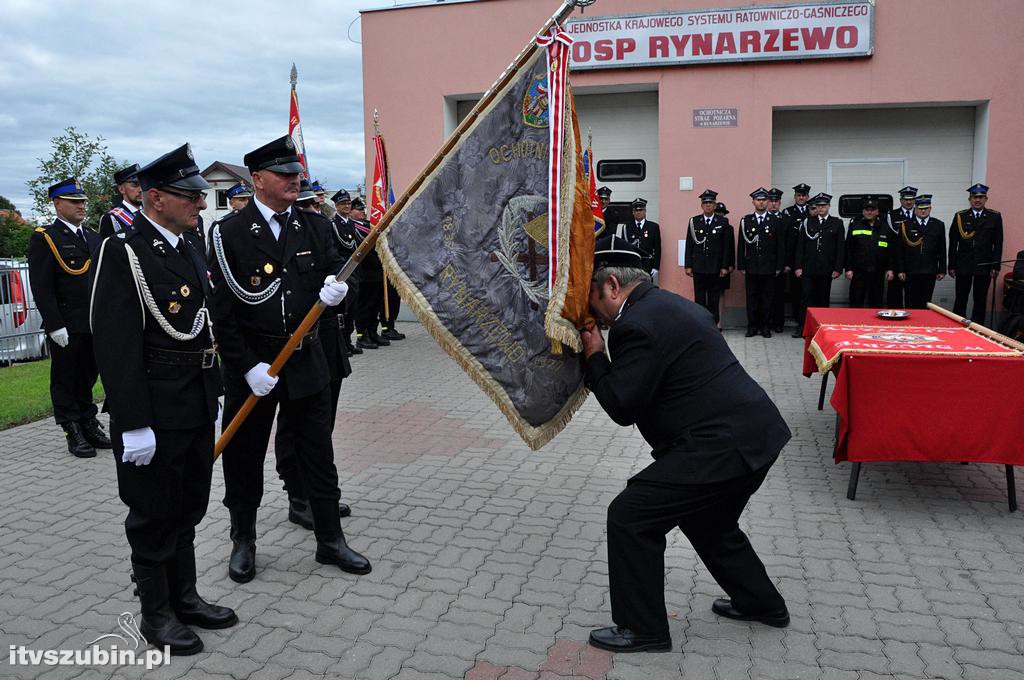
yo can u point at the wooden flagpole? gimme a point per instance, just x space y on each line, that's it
978 328
370 241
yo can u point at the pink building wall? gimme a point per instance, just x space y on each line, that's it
926 51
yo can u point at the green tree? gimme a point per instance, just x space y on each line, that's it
76 154
14 231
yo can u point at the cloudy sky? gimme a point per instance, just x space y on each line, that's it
150 76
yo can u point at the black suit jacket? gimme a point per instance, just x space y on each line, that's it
302 258
760 247
709 248
142 393
820 247
61 295
922 249
975 240
672 375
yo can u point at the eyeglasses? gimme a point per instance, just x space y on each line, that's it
191 198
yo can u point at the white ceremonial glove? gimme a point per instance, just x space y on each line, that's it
217 424
654 277
139 445
333 291
260 382
60 336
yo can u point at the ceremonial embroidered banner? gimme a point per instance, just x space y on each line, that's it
494 251
831 341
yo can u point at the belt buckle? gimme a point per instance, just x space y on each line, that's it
209 357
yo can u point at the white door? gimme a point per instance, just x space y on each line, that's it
878 151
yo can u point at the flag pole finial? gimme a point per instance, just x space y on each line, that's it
376 122
294 75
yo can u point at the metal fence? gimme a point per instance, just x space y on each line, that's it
21 334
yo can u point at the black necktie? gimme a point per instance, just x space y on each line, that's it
977 215
906 213
707 221
282 219
80 233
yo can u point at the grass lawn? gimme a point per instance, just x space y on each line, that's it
25 393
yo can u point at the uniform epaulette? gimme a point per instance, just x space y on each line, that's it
41 230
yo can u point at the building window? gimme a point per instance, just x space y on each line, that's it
222 199
622 170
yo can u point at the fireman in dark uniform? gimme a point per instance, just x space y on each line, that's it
922 253
975 249
331 322
796 214
710 253
644 235
759 256
371 284
122 213
59 258
819 256
270 264
157 354
345 236
895 294
778 310
867 255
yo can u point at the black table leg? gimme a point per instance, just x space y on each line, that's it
1011 489
821 397
851 490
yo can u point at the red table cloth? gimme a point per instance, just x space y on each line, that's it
923 407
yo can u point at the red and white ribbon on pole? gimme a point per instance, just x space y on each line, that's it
558 44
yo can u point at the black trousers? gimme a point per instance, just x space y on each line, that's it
351 308
284 438
310 423
980 283
895 293
166 499
639 519
867 287
371 301
707 291
816 290
919 290
760 290
73 374
779 299
394 304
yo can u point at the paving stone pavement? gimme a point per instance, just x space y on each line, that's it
489 560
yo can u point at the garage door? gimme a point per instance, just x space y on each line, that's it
848 151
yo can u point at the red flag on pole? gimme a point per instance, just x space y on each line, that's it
382 194
295 127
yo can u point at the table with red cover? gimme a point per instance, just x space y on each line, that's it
921 407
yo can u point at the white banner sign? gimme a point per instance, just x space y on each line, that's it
805 31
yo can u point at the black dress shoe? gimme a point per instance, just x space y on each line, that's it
375 336
364 342
765 333
78 445
94 434
392 334
723 607
337 552
751 332
352 349
618 639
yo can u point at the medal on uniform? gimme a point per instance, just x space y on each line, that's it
174 307
254 281
268 268
185 290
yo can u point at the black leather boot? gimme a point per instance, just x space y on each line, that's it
78 445
389 333
375 336
159 625
299 512
331 547
188 606
94 434
242 565
364 341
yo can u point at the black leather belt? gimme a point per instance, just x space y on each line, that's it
279 340
204 358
